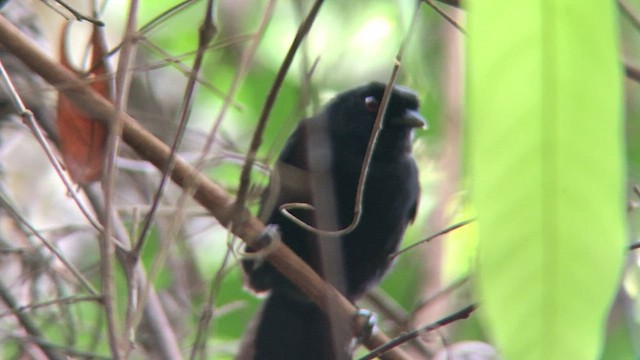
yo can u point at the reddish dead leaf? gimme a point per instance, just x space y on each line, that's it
82 139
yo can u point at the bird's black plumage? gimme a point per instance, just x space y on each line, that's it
321 165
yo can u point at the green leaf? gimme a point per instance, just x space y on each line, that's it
545 133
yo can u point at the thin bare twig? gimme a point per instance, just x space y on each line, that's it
165 339
179 65
448 18
438 294
246 60
27 323
167 60
28 119
107 247
207 31
74 353
206 34
153 23
392 311
439 233
156 21
208 311
79 16
65 300
5 204
458 315
245 176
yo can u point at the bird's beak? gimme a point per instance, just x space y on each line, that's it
410 118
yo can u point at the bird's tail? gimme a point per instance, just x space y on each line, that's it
292 328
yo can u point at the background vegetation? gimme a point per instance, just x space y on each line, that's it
190 261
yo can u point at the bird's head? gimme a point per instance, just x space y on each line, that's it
357 109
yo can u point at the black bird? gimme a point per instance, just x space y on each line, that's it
321 165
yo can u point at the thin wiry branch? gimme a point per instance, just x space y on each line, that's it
65 300
123 77
444 15
245 177
27 323
63 349
6 205
208 311
29 120
458 315
78 15
164 337
207 32
429 238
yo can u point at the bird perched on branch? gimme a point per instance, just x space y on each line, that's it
320 166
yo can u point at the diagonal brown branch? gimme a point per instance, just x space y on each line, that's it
211 196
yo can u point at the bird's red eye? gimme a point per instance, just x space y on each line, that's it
371 103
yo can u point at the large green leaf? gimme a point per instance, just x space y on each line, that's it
545 133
